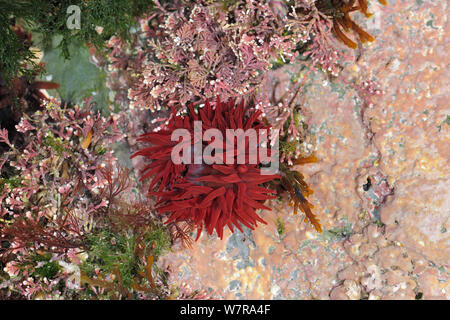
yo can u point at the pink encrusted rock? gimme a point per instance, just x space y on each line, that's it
419 217
349 290
354 271
394 257
434 284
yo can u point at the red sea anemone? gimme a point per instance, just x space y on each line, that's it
207 195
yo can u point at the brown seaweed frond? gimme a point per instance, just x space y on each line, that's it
294 183
148 275
119 287
343 23
116 288
363 5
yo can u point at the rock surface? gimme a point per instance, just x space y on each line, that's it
390 241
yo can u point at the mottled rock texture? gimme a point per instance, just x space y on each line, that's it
389 240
